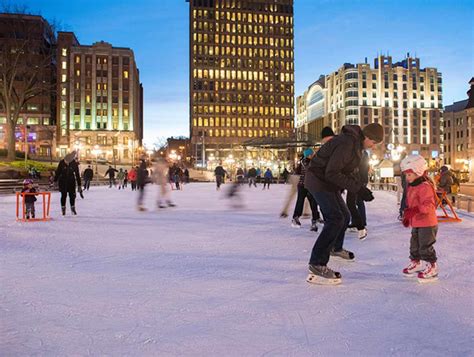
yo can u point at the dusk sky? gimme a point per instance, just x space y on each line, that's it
327 34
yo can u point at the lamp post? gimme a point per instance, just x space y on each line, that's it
26 145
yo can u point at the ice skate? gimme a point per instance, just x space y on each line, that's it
429 274
63 210
170 204
73 210
352 229
413 268
295 223
322 275
343 254
362 233
283 215
141 208
314 226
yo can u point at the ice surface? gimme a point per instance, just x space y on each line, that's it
203 279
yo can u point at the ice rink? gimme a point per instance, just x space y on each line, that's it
203 279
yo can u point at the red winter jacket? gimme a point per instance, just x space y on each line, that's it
132 175
422 196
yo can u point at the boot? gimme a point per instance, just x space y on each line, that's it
412 268
362 233
295 223
314 226
430 272
343 254
73 210
63 210
321 274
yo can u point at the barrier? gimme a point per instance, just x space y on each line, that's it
46 205
442 201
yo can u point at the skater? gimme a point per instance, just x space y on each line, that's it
111 172
331 171
355 203
29 199
120 178
88 175
160 179
220 173
125 178
252 176
67 174
268 177
303 194
446 182
240 176
142 175
186 175
421 216
132 177
51 179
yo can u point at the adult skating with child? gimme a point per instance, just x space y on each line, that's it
420 215
330 172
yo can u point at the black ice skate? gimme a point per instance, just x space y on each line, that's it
314 226
63 210
295 223
73 210
321 274
343 254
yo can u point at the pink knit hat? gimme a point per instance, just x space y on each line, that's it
414 163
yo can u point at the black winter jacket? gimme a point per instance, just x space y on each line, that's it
67 176
88 174
332 168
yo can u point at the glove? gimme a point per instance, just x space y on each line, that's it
365 194
408 214
81 194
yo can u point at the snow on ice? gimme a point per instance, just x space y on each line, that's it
202 279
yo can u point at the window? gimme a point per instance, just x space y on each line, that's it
125 74
64 51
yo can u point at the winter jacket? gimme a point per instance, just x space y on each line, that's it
252 172
142 174
29 198
111 172
268 174
219 171
421 194
120 175
446 181
132 175
67 175
88 174
332 168
240 172
301 170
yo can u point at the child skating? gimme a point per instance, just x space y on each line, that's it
29 199
421 216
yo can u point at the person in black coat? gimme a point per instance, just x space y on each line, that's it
67 174
88 176
142 176
330 171
111 172
220 174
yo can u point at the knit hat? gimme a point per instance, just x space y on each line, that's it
70 157
414 163
373 131
444 168
327 131
308 152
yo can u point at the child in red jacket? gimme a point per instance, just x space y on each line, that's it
421 216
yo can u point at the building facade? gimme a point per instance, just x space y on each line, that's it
403 97
241 74
459 133
99 101
35 130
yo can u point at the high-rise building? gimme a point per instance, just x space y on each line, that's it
241 74
459 134
35 69
99 100
403 97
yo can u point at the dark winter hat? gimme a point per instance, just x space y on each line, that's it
444 168
327 131
373 131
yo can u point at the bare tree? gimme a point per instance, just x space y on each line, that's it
27 62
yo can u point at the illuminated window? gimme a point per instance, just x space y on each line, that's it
125 112
63 78
88 98
125 74
63 91
64 51
78 59
78 72
63 65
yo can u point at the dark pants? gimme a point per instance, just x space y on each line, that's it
303 193
111 181
30 209
357 209
141 194
125 183
336 219
252 181
87 184
72 197
267 183
403 203
421 243
134 185
219 180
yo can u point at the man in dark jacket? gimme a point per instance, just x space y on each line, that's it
220 173
142 177
88 176
332 170
252 175
111 172
67 174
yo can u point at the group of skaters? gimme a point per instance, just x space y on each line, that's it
252 176
341 165
321 176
